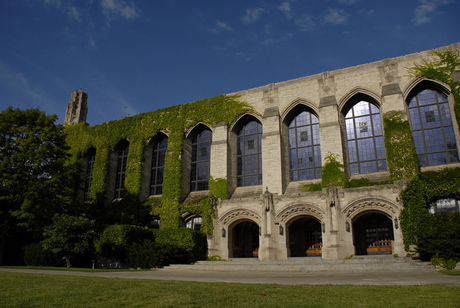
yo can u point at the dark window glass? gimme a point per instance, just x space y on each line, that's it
366 150
158 166
121 172
91 158
432 129
199 176
304 151
249 155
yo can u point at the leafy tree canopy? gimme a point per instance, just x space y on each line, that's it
35 182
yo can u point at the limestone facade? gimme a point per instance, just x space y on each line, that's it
277 219
336 214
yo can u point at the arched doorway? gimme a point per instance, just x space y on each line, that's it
244 240
373 234
305 238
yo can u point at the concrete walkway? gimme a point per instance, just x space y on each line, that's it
273 277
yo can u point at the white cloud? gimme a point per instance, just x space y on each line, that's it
74 13
426 8
113 8
220 26
336 16
56 3
92 42
285 7
306 23
252 15
348 2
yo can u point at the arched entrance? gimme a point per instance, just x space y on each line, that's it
244 240
305 238
373 234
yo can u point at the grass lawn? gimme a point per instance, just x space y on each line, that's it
37 290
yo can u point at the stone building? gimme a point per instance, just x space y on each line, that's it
268 156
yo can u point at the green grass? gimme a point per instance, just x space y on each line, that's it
451 272
70 269
38 290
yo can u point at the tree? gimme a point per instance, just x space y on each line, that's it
69 236
35 182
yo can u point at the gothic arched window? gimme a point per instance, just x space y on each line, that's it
121 171
200 162
158 166
432 128
304 147
249 154
366 151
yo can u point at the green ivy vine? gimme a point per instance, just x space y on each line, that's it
138 130
402 159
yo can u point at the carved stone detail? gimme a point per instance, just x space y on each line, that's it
369 204
237 214
305 209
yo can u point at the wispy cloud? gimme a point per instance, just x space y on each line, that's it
425 9
15 80
348 2
285 7
115 8
92 43
74 13
56 3
306 23
252 15
219 27
336 16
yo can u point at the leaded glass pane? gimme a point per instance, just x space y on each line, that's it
158 163
431 124
304 147
249 154
199 174
365 138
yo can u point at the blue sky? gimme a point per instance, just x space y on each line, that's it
138 56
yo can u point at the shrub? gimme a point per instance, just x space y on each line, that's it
142 255
440 237
115 240
182 240
35 255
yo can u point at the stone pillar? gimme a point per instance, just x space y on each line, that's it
219 152
272 176
268 245
334 226
329 128
77 108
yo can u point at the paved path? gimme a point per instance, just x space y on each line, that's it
273 277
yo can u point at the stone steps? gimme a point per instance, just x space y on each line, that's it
359 263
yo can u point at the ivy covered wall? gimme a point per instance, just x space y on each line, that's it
138 130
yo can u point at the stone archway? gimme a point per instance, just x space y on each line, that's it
373 233
243 239
304 237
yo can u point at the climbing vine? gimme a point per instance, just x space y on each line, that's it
138 130
401 156
422 191
420 194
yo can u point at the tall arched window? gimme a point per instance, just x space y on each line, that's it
158 166
121 171
249 154
366 151
432 128
90 159
304 148
201 153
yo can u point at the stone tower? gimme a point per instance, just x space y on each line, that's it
77 108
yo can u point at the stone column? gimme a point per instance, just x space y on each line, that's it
271 151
